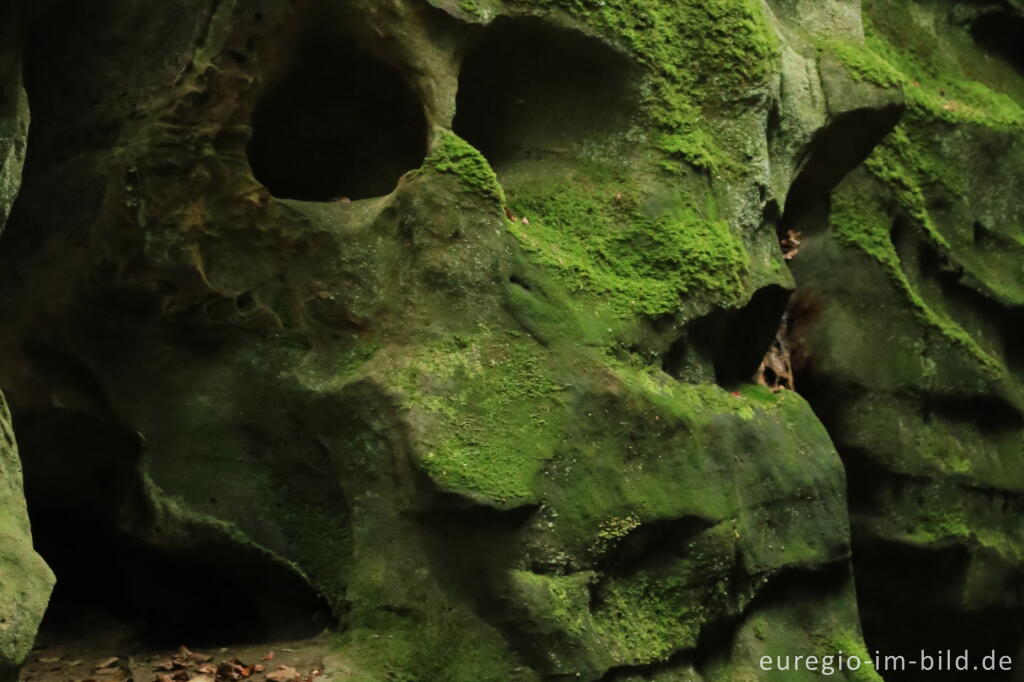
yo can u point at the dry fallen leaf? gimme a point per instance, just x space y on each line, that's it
163 678
107 662
269 656
164 665
232 671
49 659
258 668
791 244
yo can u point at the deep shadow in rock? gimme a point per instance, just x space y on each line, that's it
1001 34
836 149
338 123
906 606
531 90
82 489
733 342
652 544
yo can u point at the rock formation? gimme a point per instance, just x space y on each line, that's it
436 321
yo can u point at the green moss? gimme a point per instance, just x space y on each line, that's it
440 641
847 643
650 617
937 86
471 7
646 616
600 235
556 602
864 225
613 530
955 94
941 527
454 155
701 54
864 63
907 169
761 394
497 410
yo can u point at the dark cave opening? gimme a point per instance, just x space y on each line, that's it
1001 35
732 342
338 124
528 89
84 495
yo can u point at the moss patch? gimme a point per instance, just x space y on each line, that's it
864 63
606 237
438 642
495 409
454 155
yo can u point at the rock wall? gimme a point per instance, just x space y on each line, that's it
911 288
442 317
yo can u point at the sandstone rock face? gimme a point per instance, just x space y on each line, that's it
436 322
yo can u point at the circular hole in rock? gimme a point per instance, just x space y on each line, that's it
529 89
337 124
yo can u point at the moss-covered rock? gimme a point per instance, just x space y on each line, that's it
25 581
912 351
500 417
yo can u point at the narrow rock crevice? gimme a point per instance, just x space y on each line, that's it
836 149
651 545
